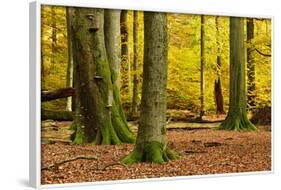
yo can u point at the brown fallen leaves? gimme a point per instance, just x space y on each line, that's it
206 151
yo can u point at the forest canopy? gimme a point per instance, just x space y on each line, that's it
183 91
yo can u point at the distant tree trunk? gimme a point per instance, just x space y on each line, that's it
125 53
69 73
54 35
135 66
42 55
101 120
42 69
151 145
202 63
251 65
217 87
237 116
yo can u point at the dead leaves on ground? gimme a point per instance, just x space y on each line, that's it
202 152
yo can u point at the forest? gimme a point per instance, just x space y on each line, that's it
152 94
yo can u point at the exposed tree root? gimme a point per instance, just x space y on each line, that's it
237 122
153 152
114 164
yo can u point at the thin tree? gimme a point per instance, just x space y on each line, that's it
202 63
237 116
251 84
100 119
217 86
69 73
135 66
125 52
151 144
54 35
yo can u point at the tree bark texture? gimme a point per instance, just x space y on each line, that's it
125 53
237 117
217 86
202 63
135 66
151 144
100 119
251 85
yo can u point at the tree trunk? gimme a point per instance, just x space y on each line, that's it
99 119
217 87
202 63
237 117
125 53
135 66
151 145
251 92
54 35
69 74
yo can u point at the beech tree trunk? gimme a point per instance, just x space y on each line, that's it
237 117
135 66
217 86
69 73
202 63
151 143
251 85
125 53
99 119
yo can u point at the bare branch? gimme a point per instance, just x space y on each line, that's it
57 164
263 54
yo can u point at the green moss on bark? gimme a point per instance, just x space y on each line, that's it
238 122
80 137
153 152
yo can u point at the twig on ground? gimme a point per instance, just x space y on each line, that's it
55 165
114 164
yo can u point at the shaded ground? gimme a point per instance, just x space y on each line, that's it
204 151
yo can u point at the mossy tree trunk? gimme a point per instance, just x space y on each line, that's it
151 145
99 118
135 66
69 73
251 84
217 87
237 117
202 63
125 53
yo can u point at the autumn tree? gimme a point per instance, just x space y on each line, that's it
237 116
100 119
135 66
251 84
151 144
218 87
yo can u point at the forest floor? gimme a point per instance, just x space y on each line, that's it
203 149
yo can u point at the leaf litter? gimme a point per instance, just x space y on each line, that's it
203 152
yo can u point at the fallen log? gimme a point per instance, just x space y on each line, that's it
57 115
57 94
